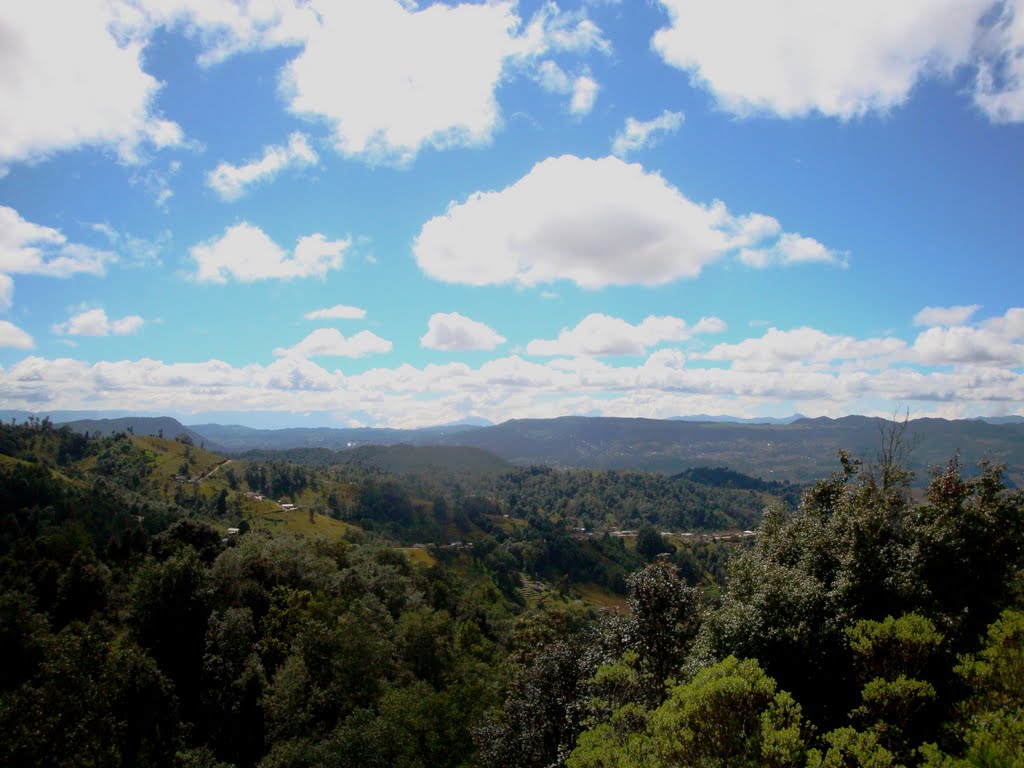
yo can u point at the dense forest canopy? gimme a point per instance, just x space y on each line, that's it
161 604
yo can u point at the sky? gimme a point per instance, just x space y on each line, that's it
390 213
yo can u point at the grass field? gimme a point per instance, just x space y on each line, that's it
419 556
297 521
599 597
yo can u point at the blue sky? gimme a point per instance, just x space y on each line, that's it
374 212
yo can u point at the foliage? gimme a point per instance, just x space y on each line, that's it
136 631
730 714
665 615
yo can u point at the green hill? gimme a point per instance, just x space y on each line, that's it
162 426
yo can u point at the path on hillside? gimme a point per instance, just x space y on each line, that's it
223 463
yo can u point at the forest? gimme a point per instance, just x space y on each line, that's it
165 605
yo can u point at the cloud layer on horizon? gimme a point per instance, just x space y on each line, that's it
942 371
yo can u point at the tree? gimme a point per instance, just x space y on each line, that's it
731 715
990 721
650 544
169 611
665 615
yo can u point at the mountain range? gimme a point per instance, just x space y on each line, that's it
801 450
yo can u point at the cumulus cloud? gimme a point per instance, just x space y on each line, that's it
584 94
567 31
6 292
639 134
337 312
806 369
804 347
70 81
999 85
135 251
950 341
1010 325
427 77
583 88
791 248
836 58
957 315
599 334
552 78
94 322
594 222
329 342
223 27
454 332
965 345
33 249
245 253
232 181
664 384
11 336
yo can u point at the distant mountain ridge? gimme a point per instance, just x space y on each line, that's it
157 426
741 419
237 438
800 451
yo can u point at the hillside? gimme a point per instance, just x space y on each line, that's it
797 452
230 611
239 438
162 426
800 451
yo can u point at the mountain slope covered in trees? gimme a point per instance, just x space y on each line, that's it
366 616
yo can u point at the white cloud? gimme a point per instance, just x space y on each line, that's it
593 222
584 93
791 248
1009 326
568 31
957 315
6 291
999 86
69 82
337 312
804 369
583 88
32 249
11 336
510 387
599 334
157 182
552 78
453 332
232 181
426 77
136 251
838 58
964 345
639 134
224 27
126 325
803 347
244 252
329 342
94 322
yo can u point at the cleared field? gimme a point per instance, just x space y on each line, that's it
298 521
